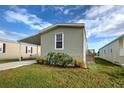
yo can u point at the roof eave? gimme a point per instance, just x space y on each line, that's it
52 27
112 41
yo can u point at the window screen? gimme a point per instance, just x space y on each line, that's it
29 49
59 41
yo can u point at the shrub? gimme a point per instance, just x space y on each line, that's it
50 58
59 59
40 60
78 62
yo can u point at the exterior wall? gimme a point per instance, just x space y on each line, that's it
114 55
14 50
28 55
39 50
11 51
73 41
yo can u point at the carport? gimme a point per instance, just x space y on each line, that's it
34 39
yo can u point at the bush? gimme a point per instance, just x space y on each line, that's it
78 62
40 60
59 59
50 58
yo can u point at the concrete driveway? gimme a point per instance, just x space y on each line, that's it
16 64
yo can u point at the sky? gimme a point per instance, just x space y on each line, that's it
102 23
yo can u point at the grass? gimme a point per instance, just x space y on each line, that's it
100 74
8 60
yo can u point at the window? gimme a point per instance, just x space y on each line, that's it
29 50
59 41
104 51
111 50
98 53
2 47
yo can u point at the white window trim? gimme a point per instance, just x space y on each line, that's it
62 41
1 45
29 49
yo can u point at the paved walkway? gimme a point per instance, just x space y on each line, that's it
16 64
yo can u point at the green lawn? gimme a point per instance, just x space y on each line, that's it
8 60
99 74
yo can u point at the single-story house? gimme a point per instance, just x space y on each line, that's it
66 38
16 50
113 51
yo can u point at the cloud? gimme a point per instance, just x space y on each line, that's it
103 24
97 10
11 35
59 8
104 21
2 32
17 14
66 11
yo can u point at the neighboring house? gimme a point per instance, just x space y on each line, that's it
90 55
91 51
66 38
15 50
114 51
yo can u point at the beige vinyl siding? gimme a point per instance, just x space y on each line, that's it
114 57
11 50
39 50
28 55
73 41
14 50
121 42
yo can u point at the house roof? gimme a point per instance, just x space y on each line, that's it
112 41
57 25
12 41
36 37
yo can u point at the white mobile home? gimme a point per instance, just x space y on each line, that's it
15 50
113 51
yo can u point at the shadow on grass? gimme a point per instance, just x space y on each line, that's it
115 74
121 74
103 62
111 74
58 66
